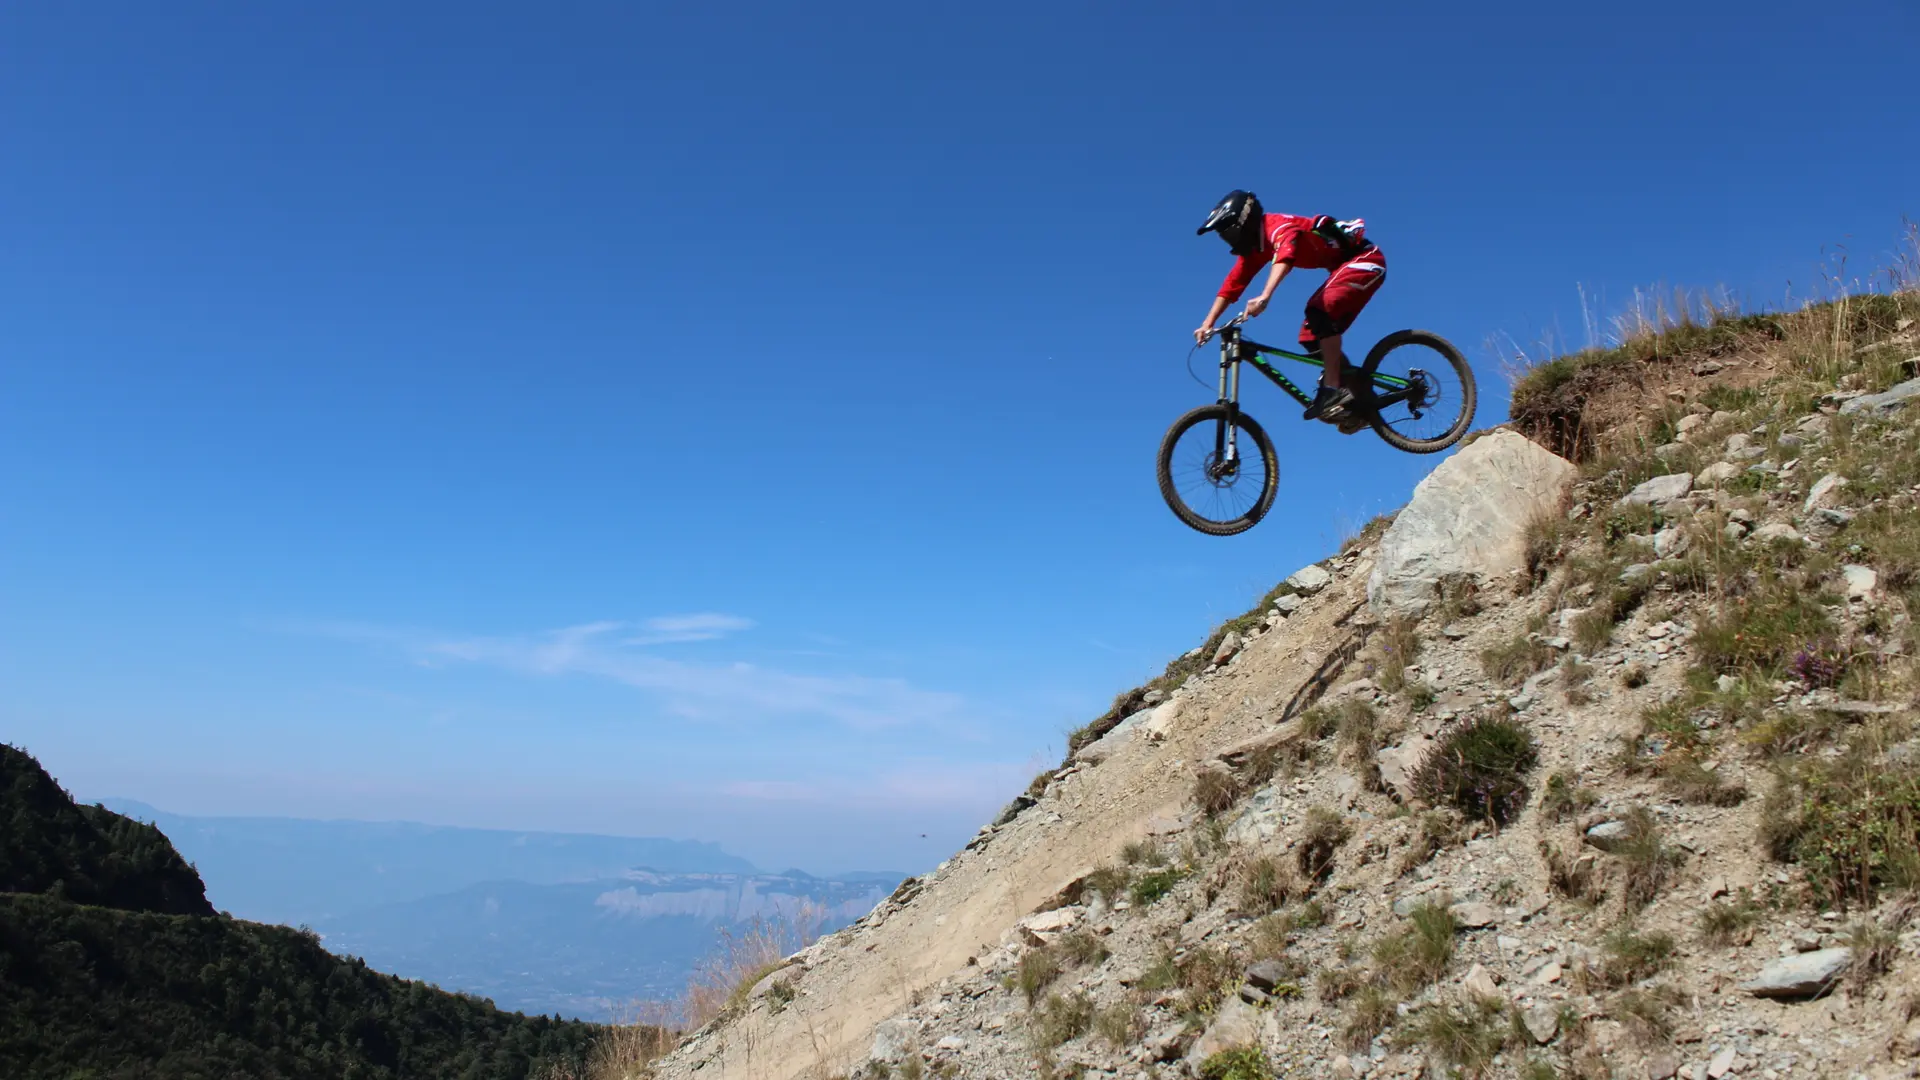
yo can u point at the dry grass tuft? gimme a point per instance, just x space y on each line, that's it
1215 790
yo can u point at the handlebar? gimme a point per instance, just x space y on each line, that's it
1230 325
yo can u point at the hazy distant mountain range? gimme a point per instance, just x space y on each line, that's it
586 949
574 924
294 870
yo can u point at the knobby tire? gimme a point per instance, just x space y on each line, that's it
1266 468
1469 394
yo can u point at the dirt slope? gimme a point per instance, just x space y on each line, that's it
848 983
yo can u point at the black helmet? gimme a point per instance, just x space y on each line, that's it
1238 220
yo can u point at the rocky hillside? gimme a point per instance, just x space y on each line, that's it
1597 765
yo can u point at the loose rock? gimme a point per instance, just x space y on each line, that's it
1825 492
1660 490
1474 916
1610 835
1800 976
1778 530
1310 579
1883 402
1543 1023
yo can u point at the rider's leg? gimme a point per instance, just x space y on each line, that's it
1320 337
1330 311
1333 359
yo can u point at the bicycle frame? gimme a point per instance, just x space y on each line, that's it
1236 349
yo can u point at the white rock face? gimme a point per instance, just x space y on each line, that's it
1469 516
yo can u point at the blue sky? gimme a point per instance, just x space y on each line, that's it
737 422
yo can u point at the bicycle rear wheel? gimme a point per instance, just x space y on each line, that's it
1214 489
1436 407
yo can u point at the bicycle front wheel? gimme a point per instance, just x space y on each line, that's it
1218 472
1422 391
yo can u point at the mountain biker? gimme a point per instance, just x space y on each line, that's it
1356 265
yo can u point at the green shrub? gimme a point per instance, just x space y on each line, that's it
1417 953
1479 768
1629 956
1761 633
1854 828
1081 947
1240 1063
1565 795
1469 1035
1155 884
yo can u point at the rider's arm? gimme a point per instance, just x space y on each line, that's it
1236 283
1281 268
1213 315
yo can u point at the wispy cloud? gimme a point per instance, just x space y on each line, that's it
699 626
731 691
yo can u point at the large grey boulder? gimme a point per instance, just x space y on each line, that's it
1801 975
1468 518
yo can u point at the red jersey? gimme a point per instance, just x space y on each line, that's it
1311 243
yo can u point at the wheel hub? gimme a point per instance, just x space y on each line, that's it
1222 473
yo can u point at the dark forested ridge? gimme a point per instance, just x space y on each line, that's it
113 965
48 844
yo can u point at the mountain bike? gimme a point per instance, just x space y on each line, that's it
1415 390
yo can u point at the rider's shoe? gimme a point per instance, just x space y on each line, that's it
1329 404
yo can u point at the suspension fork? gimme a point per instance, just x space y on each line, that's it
1225 435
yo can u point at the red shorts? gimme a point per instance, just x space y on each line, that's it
1336 303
